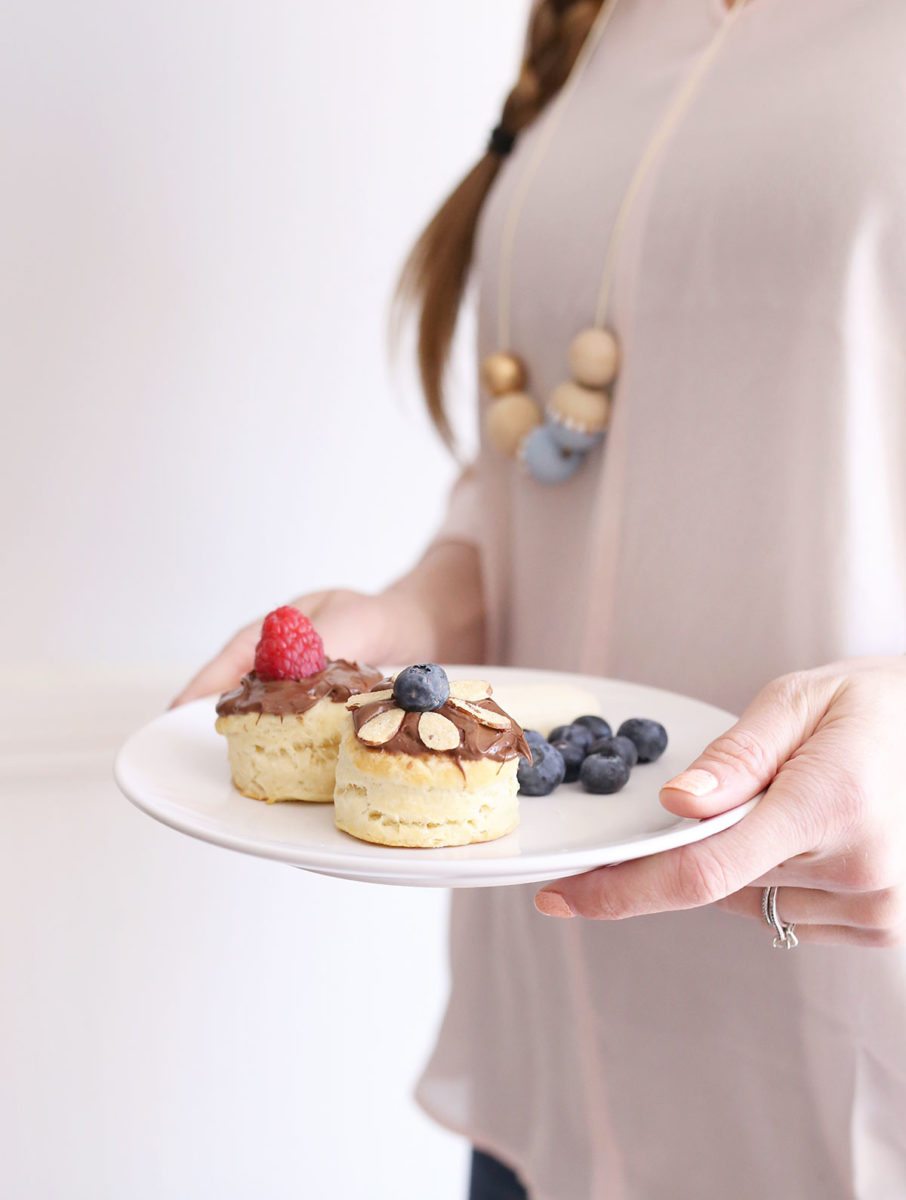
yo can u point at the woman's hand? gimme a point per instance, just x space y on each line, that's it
352 625
433 612
830 747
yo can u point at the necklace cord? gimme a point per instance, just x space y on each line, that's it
665 127
668 123
535 159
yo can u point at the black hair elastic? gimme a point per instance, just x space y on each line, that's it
501 141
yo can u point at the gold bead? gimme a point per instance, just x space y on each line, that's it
580 407
510 419
594 358
502 373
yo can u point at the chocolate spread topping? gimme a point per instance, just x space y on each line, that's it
476 740
282 697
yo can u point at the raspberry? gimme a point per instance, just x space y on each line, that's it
289 647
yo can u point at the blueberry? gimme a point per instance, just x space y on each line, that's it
573 757
598 726
618 745
421 688
545 772
533 737
572 733
650 737
604 773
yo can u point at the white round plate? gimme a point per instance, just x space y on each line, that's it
175 769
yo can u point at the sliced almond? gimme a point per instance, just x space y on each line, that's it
470 689
484 716
437 732
361 698
382 728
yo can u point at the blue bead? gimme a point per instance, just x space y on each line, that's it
573 439
545 461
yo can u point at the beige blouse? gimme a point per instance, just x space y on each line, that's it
746 517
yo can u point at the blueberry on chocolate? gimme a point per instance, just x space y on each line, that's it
422 688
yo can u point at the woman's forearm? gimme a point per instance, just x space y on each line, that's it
440 602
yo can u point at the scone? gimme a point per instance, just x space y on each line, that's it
428 767
283 726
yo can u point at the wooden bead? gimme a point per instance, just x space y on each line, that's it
510 419
580 407
594 358
502 373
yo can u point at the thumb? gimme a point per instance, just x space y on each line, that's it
224 670
743 761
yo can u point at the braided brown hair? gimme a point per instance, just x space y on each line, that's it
435 275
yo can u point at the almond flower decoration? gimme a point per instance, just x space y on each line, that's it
433 691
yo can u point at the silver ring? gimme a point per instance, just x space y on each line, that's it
784 934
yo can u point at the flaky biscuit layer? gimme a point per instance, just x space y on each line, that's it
293 757
424 800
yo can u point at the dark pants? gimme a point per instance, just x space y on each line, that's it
491 1180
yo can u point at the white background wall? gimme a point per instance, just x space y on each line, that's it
202 209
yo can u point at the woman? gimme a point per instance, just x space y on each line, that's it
733 182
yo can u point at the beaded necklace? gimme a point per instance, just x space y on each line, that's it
553 443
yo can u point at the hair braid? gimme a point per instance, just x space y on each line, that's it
435 274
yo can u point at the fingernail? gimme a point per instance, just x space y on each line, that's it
552 904
696 782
